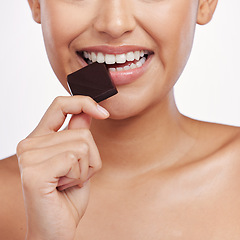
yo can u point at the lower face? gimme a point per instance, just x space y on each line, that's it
145 45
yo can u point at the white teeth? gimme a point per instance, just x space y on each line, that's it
90 56
110 59
138 64
130 56
137 55
118 58
132 66
119 69
100 58
121 58
85 54
142 60
94 57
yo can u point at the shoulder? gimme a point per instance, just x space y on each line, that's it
226 162
224 154
214 174
229 137
219 138
9 173
12 217
217 147
222 143
229 152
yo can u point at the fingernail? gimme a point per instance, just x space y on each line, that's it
102 110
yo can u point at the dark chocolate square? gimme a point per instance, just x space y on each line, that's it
94 81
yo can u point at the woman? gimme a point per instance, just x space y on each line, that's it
154 173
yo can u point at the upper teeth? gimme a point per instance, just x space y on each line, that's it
114 58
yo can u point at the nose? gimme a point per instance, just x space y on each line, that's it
115 18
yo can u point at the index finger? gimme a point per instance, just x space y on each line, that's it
57 112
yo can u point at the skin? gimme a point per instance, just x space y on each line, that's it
154 173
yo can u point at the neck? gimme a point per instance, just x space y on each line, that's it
141 142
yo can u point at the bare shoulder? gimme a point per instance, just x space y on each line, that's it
218 148
221 143
230 141
224 155
12 217
216 138
230 153
9 175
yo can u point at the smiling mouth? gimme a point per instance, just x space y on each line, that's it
117 62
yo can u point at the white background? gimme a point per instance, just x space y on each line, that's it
208 89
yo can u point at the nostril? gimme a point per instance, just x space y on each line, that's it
115 19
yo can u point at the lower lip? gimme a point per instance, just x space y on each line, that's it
128 76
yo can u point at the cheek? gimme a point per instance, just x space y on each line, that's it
172 26
62 23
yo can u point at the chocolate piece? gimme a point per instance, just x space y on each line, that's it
93 81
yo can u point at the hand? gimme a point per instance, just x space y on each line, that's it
56 167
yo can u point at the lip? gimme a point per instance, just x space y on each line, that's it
121 77
129 76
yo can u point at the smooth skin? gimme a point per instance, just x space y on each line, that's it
134 168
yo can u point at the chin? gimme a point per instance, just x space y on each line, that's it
124 107
120 111
122 116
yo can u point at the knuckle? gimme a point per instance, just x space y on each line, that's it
22 146
83 148
23 159
88 99
98 165
70 156
58 101
27 176
85 98
85 133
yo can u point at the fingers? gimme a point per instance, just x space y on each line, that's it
56 138
86 152
78 121
61 106
33 151
43 147
44 176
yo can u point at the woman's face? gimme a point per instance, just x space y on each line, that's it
116 30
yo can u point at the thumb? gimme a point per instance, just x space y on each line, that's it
78 121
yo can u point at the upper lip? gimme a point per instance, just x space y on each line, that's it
107 49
